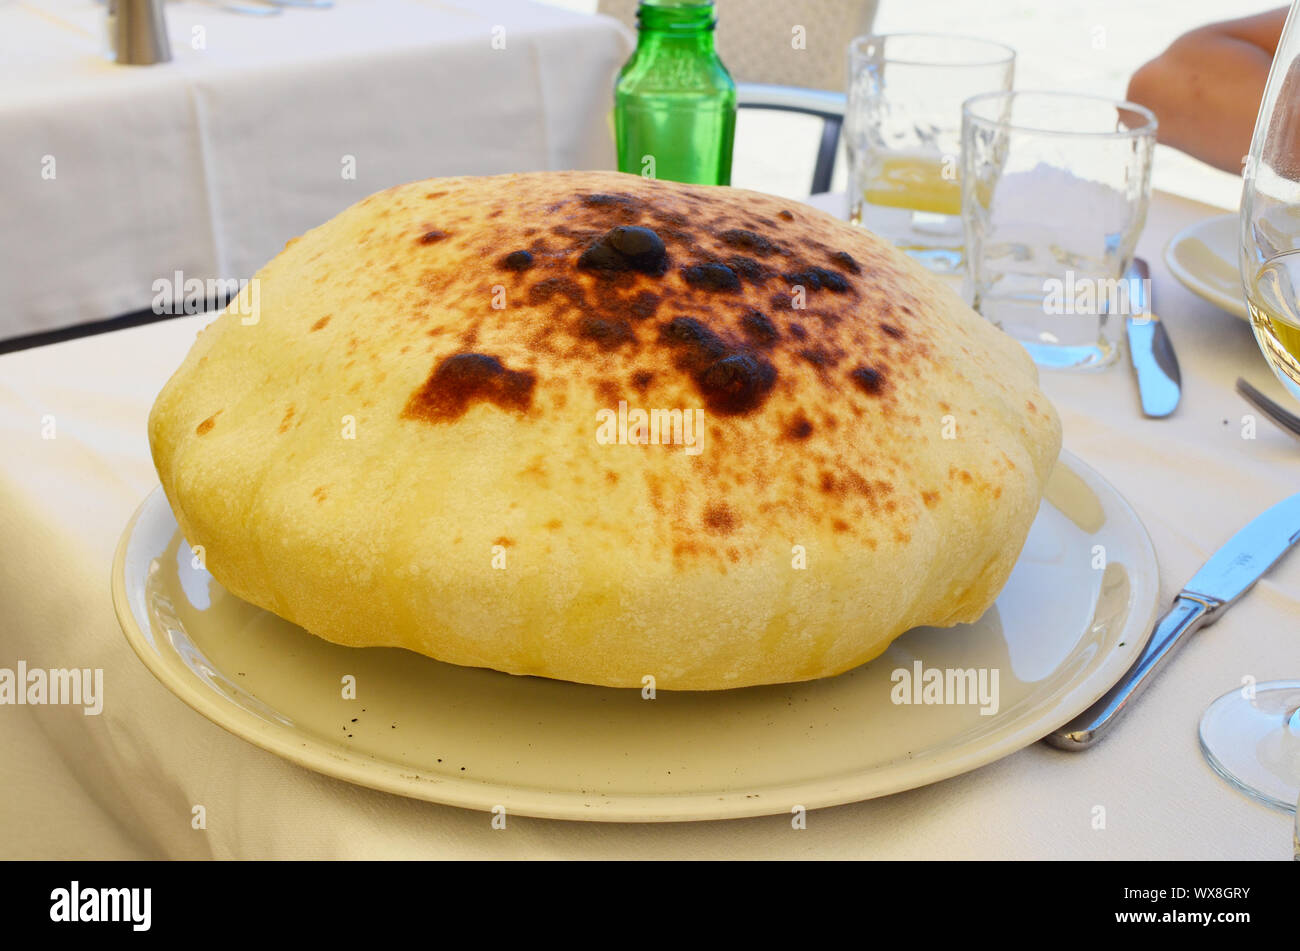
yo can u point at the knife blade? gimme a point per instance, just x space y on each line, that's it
1149 347
1230 572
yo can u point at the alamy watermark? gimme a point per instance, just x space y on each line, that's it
76 904
77 686
1096 296
949 686
655 427
179 294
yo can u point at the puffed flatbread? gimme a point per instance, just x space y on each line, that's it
419 427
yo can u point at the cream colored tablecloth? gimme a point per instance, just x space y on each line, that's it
115 177
123 784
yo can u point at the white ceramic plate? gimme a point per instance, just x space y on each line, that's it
1203 256
1060 635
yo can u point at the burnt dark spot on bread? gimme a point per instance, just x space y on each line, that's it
800 428
758 327
602 257
747 268
689 332
738 383
817 356
517 261
819 278
626 249
673 218
729 376
430 237
711 277
893 331
609 391
643 306
462 380
745 240
543 291
205 427
608 334
846 261
719 519
868 380
602 200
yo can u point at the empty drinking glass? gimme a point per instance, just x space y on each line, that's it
1054 196
903 136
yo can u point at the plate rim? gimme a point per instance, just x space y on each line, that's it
366 770
1236 306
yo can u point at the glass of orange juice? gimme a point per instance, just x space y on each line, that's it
902 131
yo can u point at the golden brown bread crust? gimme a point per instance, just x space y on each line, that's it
855 411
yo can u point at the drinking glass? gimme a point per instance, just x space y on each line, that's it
1252 738
1054 196
902 132
1270 214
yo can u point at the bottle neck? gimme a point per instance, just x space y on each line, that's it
676 24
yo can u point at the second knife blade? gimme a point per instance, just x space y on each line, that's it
1149 347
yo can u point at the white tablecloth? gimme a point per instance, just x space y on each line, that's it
208 164
122 784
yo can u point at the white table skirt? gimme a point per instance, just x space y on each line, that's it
122 784
208 164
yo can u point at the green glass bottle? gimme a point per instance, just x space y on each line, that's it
675 103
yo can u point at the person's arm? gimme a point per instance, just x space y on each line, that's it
1205 89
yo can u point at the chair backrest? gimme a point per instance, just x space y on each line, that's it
783 42
829 106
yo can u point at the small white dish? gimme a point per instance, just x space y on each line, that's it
1072 619
1203 256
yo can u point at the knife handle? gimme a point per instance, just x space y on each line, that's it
1171 631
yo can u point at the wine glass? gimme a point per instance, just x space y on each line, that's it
1270 214
1251 737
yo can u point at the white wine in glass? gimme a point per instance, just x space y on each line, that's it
1274 299
1270 214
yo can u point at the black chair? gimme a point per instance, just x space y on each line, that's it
826 105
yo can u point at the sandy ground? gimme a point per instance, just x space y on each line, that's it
1088 46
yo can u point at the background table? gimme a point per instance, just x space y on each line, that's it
123 784
210 163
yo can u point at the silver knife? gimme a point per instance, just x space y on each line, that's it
1230 573
1149 347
